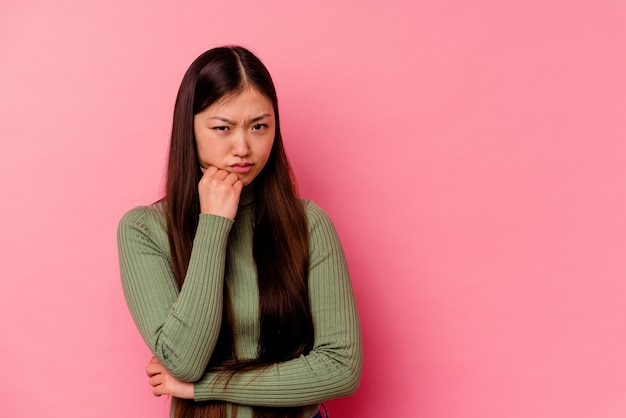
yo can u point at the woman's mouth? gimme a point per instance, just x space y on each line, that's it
241 167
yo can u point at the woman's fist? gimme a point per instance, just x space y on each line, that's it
219 192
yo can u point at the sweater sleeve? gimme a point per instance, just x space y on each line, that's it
333 367
180 328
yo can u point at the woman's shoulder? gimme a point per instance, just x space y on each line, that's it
146 218
312 209
316 216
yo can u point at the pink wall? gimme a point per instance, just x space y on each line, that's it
471 154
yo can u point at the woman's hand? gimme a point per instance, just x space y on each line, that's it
163 383
219 192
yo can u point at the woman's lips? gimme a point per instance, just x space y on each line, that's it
241 167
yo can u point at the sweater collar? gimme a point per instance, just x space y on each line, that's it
247 196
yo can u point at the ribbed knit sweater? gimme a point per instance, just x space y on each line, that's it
182 328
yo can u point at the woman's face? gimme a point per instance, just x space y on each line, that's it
236 134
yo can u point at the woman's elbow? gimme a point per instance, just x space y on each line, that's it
352 378
183 368
185 373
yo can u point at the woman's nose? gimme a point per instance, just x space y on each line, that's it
240 145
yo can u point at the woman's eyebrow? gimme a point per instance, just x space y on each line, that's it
258 118
232 122
223 119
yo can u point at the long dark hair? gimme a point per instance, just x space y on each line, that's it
280 234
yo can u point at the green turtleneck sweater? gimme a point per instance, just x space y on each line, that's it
181 328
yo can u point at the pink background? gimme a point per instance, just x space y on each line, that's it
471 154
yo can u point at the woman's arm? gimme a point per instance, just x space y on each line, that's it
181 329
333 368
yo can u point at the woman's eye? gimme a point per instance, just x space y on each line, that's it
259 127
220 128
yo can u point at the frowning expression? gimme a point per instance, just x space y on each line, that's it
236 134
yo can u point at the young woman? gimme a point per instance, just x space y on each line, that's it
239 288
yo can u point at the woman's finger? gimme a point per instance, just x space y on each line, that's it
231 179
156 380
154 367
209 171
